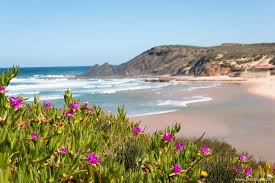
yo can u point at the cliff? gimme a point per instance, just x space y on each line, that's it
190 60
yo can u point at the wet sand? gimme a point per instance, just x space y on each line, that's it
234 115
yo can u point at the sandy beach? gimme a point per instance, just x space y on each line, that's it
241 113
262 86
259 86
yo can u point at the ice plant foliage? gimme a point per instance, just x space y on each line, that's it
72 145
167 137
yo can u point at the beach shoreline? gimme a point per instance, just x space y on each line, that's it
263 86
237 115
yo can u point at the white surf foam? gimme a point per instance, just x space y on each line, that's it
116 89
152 113
23 93
53 76
47 85
50 97
183 103
203 86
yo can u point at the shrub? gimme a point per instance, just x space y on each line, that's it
130 154
219 148
220 170
272 61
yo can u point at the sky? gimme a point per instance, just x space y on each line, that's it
86 32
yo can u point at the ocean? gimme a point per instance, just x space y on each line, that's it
137 96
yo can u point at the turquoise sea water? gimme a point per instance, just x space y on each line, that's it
138 97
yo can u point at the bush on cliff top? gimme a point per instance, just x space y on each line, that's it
82 143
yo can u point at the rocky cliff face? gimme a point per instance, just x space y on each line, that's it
189 60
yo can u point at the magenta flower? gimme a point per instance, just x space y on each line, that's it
2 89
16 102
74 106
247 171
167 137
48 105
93 159
35 136
177 169
204 150
242 157
69 114
179 147
137 130
63 149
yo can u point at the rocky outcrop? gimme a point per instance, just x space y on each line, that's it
188 60
211 69
102 71
198 67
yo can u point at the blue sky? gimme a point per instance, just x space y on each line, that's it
70 32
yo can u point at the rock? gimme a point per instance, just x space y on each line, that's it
102 71
198 68
212 69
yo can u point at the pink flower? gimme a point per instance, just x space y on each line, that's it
16 102
35 136
93 159
69 114
2 89
48 105
247 171
167 137
177 169
204 150
63 149
242 157
235 169
86 104
137 130
179 147
90 111
74 106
